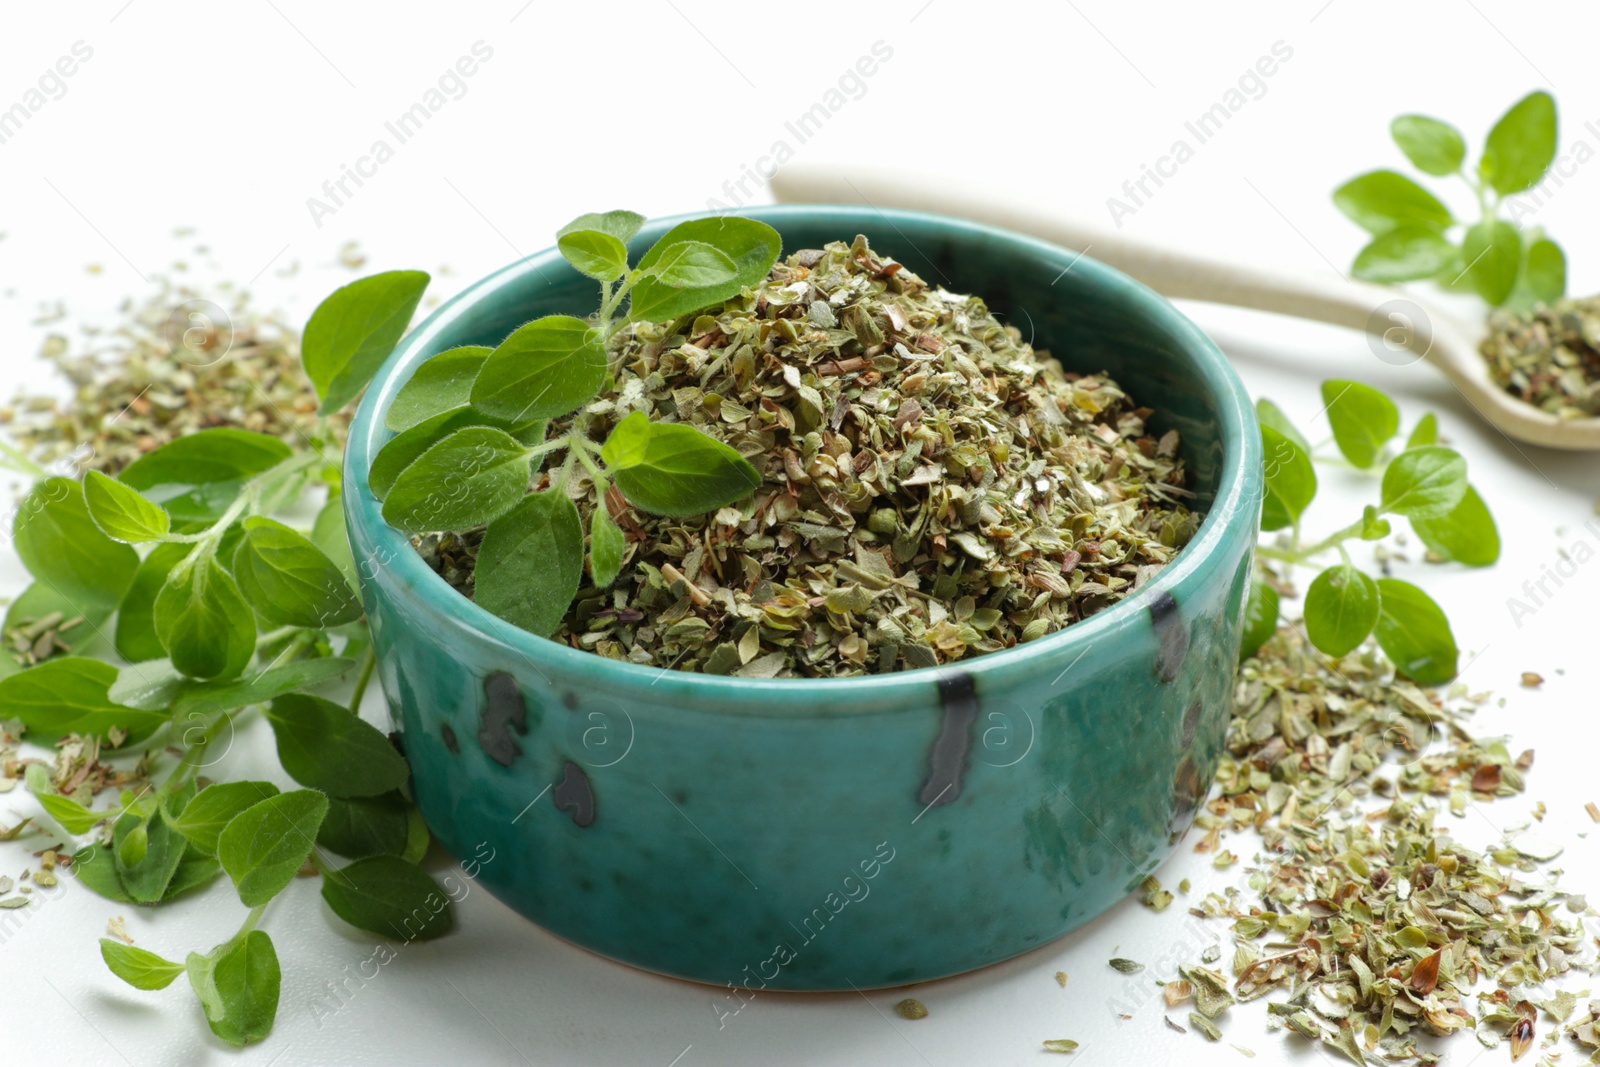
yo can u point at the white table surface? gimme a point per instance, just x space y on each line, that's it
228 117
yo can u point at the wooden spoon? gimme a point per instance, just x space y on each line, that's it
1403 328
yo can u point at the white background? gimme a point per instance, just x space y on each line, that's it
228 117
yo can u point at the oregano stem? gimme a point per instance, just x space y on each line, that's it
367 663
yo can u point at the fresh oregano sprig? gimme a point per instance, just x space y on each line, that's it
1421 481
472 423
1411 227
219 612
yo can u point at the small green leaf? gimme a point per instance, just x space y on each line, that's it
1269 414
214 807
196 476
463 481
289 581
93 866
388 896
543 370
752 246
358 827
1373 526
1433 147
204 624
619 224
1414 633
139 967
71 694
263 846
442 383
190 699
327 747
683 471
1546 270
1424 482
136 638
194 871
606 545
1426 432
353 331
1260 618
1383 199
61 545
1291 483
238 985
1493 254
531 561
121 513
1362 418
1521 145
1341 609
74 817
1466 533
599 255
147 854
626 444
1404 254
692 265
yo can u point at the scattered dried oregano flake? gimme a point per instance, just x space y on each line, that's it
1531 680
932 487
1205 1026
1061 1045
1126 966
1152 896
1177 992
1061 979
911 1008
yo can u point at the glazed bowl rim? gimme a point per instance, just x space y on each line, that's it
1236 500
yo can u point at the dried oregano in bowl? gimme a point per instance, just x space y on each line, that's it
930 486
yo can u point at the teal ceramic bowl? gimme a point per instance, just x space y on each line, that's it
830 834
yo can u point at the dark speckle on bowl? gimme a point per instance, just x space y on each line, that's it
449 734
574 794
503 711
570 699
948 760
1171 633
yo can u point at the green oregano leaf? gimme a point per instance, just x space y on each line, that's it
1426 432
1521 146
1260 617
1381 200
692 265
1404 254
531 562
1290 481
263 846
599 255
1362 418
1433 147
139 967
136 638
543 370
606 545
121 513
203 622
358 827
1414 633
328 747
146 853
1466 533
387 896
442 383
196 476
61 545
1341 609
74 818
1424 482
1492 250
353 331
214 807
238 985
71 694
288 580
681 471
752 247
462 481
1546 270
